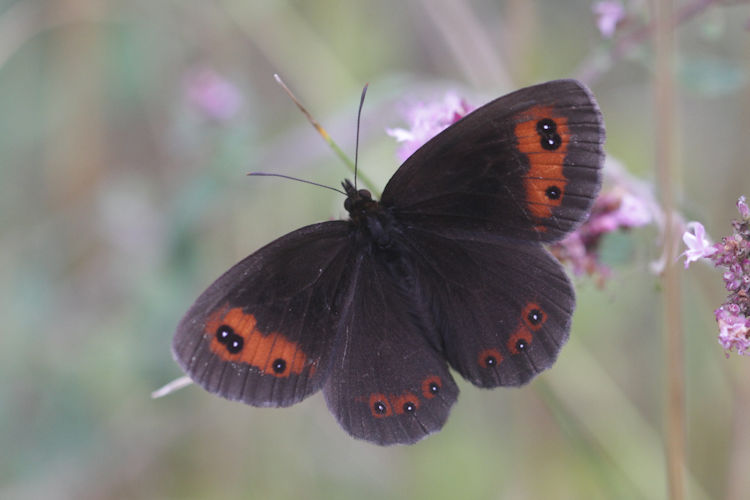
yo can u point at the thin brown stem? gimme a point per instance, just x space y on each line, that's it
664 90
593 67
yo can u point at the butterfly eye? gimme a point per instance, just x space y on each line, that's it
364 193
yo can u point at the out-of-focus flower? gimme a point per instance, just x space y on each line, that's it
608 15
733 255
426 120
698 245
743 208
734 329
616 209
212 94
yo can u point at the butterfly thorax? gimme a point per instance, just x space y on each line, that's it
367 216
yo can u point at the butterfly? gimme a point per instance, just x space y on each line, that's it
446 270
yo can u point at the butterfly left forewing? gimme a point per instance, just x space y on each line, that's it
263 332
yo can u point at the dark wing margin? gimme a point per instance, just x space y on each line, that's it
263 332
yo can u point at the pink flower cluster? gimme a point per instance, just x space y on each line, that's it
732 254
608 15
212 94
426 120
614 210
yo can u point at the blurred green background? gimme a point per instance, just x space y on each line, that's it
122 198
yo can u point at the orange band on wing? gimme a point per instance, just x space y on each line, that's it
543 136
272 353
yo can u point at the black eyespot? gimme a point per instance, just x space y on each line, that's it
490 361
521 345
434 388
553 193
379 407
535 316
223 333
235 343
551 141
279 365
546 126
409 407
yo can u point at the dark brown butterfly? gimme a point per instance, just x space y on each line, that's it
447 269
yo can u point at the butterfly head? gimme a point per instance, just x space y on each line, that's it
358 202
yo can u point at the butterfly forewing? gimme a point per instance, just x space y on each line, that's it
526 165
263 332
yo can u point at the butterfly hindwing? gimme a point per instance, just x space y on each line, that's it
263 332
526 165
503 309
388 383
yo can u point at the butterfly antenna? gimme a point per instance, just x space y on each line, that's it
265 174
356 147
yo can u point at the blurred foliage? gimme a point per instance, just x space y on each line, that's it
120 200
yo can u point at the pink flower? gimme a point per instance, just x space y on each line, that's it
616 209
608 15
743 208
733 256
734 329
426 120
699 247
623 210
633 212
212 94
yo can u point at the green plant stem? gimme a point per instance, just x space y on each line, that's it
326 137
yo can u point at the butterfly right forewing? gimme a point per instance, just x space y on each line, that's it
526 166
